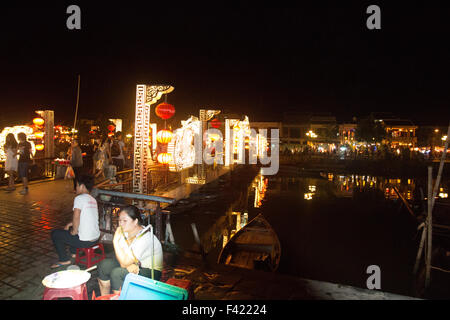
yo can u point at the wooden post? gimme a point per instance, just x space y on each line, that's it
197 240
429 228
419 252
441 167
431 199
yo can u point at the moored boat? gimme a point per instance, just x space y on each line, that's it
255 246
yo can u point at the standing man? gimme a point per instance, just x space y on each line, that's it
25 157
117 151
83 231
76 161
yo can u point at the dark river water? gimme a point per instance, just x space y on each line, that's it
331 226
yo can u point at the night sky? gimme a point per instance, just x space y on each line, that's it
248 59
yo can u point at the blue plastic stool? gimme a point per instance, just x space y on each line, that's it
136 287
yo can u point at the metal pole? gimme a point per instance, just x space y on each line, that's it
158 222
76 109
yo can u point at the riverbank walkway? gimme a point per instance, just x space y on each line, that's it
26 253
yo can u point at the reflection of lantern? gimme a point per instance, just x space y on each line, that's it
39 134
165 110
39 147
111 127
38 121
164 136
215 123
164 157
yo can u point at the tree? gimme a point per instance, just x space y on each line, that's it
369 130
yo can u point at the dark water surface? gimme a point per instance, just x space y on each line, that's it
331 227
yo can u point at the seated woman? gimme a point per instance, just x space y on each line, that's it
134 253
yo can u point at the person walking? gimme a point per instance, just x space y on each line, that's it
76 161
11 162
117 151
25 157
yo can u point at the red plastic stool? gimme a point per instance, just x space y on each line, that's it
88 256
185 284
76 293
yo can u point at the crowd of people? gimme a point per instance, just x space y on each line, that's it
345 152
109 156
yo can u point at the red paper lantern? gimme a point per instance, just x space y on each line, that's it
164 157
165 110
215 123
164 136
111 127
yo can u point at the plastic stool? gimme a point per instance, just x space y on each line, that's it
89 257
76 293
181 283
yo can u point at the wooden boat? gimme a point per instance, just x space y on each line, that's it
255 246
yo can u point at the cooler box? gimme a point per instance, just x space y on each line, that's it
136 287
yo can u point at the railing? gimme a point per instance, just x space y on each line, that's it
41 168
122 181
110 202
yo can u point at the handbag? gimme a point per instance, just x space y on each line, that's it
70 174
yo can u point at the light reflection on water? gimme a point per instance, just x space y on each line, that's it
327 186
344 186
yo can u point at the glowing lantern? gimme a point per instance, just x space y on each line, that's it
111 127
39 134
38 121
165 110
164 157
215 123
39 147
213 136
110 134
164 136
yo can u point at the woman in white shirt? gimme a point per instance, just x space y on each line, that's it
11 162
135 252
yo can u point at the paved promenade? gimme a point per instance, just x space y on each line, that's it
26 250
